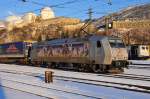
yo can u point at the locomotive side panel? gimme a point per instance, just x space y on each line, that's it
100 50
92 52
107 52
69 53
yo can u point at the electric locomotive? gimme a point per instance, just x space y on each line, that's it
92 53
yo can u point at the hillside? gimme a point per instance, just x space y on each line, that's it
68 27
43 29
132 14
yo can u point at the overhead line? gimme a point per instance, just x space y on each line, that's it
43 5
52 6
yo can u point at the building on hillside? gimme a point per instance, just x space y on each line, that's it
13 18
29 17
59 21
47 13
2 25
14 21
73 27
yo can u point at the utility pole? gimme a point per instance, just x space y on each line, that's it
90 12
23 0
89 21
109 2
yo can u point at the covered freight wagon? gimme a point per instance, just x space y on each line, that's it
137 52
14 52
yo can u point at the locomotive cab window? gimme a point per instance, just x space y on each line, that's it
116 43
98 44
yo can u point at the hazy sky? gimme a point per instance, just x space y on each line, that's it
77 9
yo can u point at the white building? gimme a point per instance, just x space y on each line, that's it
47 13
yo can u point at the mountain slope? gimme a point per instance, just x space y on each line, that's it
132 12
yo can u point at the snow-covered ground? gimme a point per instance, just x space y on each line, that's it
80 75
29 86
147 62
141 64
8 93
145 72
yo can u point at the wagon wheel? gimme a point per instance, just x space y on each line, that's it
96 68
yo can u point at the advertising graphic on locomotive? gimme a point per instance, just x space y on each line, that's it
66 50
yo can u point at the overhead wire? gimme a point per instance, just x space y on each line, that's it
59 5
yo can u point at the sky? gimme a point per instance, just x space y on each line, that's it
77 9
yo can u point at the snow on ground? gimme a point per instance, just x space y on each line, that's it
37 86
145 72
104 92
78 75
139 67
99 91
7 93
147 66
140 62
107 92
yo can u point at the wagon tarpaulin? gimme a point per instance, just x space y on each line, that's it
12 48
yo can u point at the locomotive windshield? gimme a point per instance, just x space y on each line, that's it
116 43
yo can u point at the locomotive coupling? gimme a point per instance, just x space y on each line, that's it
48 76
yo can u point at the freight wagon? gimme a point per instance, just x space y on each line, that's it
137 52
15 52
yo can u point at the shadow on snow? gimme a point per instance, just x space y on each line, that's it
2 93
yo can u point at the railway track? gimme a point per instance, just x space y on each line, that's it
10 87
140 66
123 76
106 83
139 88
127 76
139 75
31 85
